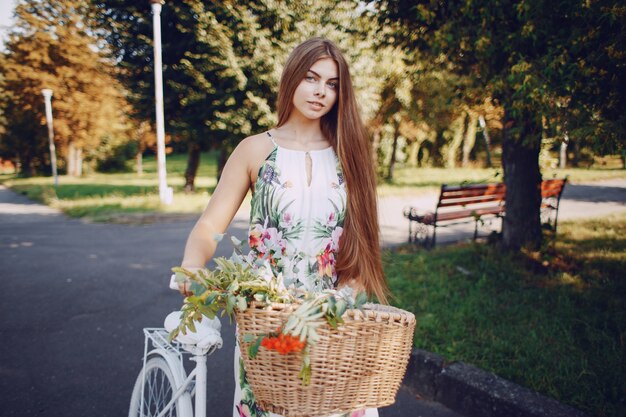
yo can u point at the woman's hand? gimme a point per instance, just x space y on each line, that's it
356 286
184 286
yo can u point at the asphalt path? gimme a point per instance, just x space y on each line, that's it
75 297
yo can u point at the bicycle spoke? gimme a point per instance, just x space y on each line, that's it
155 387
157 393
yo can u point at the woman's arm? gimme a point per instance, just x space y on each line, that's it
224 203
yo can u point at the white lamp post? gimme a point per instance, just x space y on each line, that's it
47 95
165 192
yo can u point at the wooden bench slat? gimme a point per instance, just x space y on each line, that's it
460 214
429 218
472 193
554 187
550 193
473 190
494 185
470 201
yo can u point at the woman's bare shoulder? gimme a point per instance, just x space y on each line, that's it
254 145
252 151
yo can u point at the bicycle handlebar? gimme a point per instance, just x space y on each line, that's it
173 283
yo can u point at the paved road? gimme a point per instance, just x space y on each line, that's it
75 297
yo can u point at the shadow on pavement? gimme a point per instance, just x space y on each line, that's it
594 193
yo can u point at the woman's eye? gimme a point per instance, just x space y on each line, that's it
309 78
332 84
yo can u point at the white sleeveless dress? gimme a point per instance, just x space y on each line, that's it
295 222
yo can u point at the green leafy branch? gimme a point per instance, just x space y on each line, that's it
236 282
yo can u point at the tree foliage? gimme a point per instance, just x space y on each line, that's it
51 47
545 56
222 61
533 58
217 66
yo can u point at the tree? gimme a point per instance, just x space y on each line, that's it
521 54
51 47
218 69
222 61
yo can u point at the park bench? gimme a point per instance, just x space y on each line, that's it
551 191
476 203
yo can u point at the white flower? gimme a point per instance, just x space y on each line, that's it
334 238
265 271
286 221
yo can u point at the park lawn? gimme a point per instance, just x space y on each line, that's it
553 321
116 196
124 196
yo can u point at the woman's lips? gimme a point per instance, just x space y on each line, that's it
316 104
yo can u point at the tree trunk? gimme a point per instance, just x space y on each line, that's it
520 158
483 126
575 154
78 162
411 159
376 138
139 163
71 159
563 152
423 155
470 138
26 166
74 160
458 128
435 153
394 148
193 161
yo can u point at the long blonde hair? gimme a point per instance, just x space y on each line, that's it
359 251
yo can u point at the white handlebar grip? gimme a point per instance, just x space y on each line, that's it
173 283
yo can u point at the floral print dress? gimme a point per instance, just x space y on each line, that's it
296 219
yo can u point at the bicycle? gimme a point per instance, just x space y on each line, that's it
162 387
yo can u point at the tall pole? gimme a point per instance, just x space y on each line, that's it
47 95
165 192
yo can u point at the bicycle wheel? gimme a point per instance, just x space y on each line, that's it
158 388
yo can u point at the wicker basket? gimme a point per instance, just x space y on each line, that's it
359 365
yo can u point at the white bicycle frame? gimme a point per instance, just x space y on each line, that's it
172 353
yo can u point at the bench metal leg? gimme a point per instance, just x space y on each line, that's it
556 219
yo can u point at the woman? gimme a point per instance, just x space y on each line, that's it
313 210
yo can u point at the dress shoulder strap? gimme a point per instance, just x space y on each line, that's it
272 139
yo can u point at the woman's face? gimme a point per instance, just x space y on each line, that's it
317 92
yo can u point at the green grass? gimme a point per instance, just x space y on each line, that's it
554 321
110 197
106 197
409 180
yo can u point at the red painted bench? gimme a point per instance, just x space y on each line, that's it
475 203
551 191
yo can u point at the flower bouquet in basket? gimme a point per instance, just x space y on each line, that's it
305 354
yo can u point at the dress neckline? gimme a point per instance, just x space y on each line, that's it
276 145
